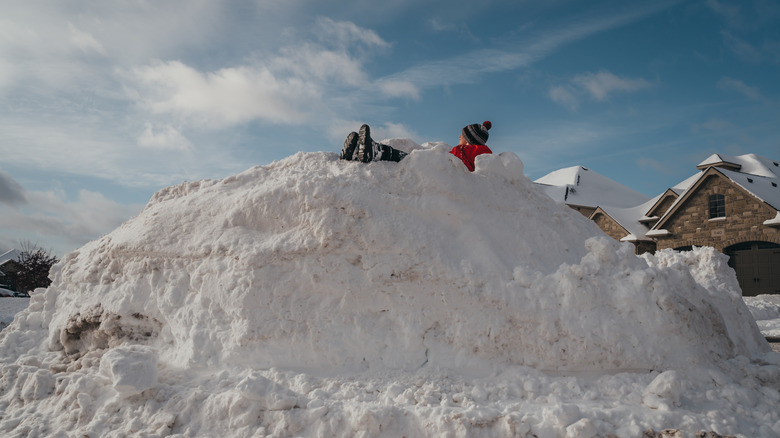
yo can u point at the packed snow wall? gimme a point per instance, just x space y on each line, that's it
316 263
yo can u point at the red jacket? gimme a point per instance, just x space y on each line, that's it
468 153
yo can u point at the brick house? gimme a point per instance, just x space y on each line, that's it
732 204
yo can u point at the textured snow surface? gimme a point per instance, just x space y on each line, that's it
766 310
316 297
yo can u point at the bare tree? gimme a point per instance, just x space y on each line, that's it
36 263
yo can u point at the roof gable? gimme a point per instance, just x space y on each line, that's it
653 212
750 164
733 177
599 211
628 219
718 160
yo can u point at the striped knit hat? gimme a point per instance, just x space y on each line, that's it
477 134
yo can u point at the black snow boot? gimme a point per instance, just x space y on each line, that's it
365 150
350 144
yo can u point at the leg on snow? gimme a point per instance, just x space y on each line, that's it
350 144
365 144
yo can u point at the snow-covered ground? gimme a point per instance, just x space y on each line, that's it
766 310
9 307
315 297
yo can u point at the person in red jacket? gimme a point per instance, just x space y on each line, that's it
360 147
472 143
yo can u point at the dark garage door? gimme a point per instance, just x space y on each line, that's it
757 265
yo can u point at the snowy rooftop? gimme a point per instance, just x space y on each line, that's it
581 186
629 218
756 174
750 164
764 188
9 255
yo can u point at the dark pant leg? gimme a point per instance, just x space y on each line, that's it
391 154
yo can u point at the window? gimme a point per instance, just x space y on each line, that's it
717 206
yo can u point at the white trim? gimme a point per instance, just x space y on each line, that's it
658 233
774 222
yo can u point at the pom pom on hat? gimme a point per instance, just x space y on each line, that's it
477 134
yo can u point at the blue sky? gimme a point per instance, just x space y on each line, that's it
104 103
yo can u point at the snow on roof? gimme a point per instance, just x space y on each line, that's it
755 176
579 185
629 219
762 187
9 255
715 159
750 164
685 184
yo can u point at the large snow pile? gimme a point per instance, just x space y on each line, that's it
317 297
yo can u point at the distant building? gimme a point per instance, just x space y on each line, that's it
9 266
731 204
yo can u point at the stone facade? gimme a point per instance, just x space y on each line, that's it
585 211
609 226
644 246
663 206
691 225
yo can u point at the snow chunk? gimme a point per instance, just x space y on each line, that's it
664 391
271 395
132 369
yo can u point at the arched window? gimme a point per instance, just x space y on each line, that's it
717 206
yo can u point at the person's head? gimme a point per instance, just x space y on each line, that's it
475 134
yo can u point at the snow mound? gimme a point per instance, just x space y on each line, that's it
330 267
312 262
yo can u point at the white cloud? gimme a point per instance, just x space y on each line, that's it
85 41
564 96
731 13
315 64
436 24
392 88
51 220
223 98
347 33
601 84
291 86
598 86
731 84
393 130
163 137
11 192
43 43
741 48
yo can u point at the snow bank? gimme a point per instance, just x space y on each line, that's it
256 302
766 310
